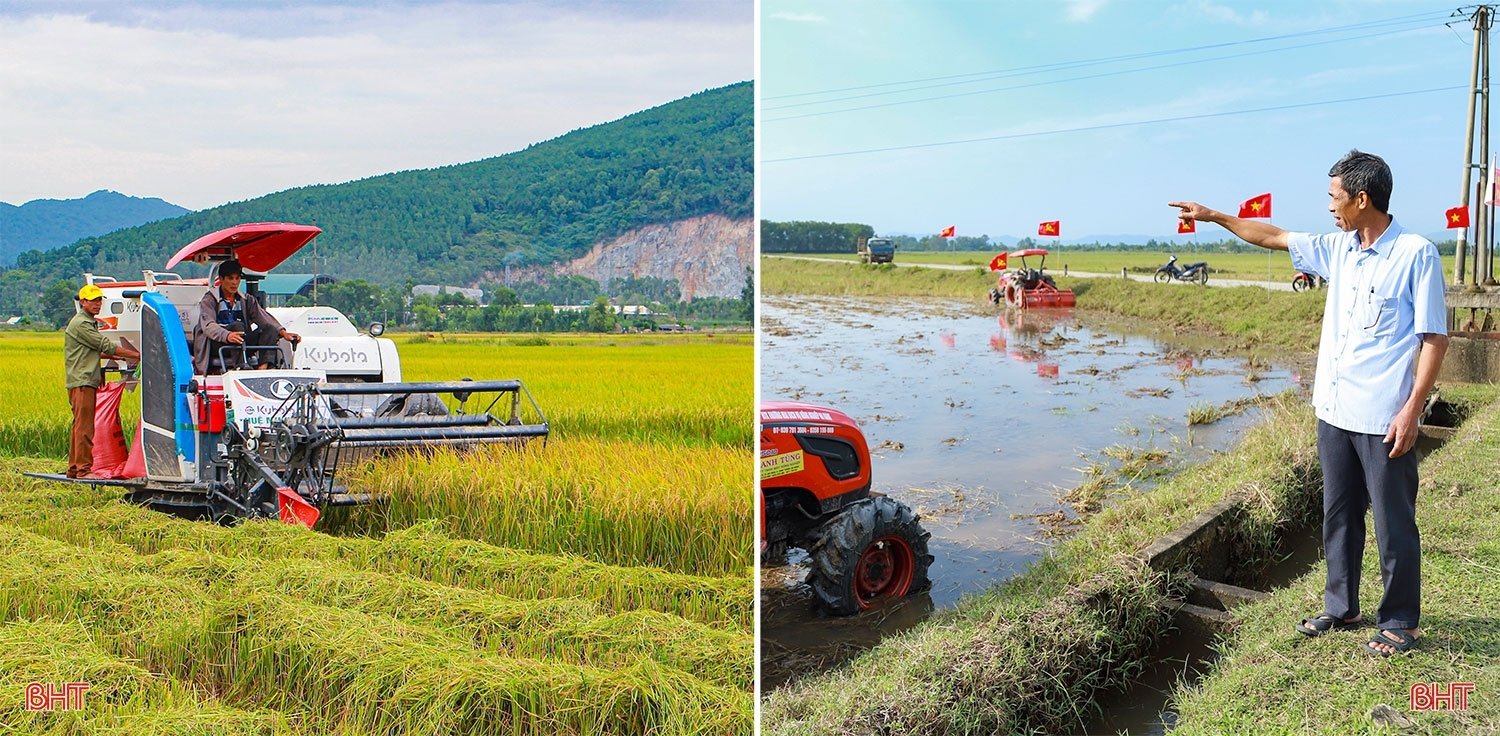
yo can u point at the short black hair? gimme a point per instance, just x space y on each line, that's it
231 267
1365 172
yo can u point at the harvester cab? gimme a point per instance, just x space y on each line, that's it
815 494
268 443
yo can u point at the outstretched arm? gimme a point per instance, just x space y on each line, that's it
1262 234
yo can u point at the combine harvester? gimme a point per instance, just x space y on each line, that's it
1025 287
268 443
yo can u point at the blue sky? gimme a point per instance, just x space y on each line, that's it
1113 179
202 103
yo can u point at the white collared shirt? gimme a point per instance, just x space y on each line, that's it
1381 299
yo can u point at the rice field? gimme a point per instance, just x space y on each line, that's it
599 583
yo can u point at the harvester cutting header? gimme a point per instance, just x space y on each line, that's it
228 441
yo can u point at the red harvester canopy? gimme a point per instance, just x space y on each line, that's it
259 246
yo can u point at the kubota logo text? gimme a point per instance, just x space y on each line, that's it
330 355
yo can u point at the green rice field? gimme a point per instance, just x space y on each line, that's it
597 583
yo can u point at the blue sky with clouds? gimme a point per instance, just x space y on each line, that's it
919 77
205 102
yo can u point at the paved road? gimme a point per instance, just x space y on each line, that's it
1274 285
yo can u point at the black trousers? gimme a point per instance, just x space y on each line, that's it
238 358
1358 474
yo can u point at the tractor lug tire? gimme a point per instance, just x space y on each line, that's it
852 534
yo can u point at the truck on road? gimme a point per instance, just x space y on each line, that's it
875 250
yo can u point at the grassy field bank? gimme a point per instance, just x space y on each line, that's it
1265 266
599 583
1328 685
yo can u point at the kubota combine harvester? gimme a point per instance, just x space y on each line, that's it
1023 287
815 494
268 443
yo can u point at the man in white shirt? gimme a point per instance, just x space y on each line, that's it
1385 333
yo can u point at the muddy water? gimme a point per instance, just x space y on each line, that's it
980 423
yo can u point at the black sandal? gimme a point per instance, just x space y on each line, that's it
1324 623
1403 642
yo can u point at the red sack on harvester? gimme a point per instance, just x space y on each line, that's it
109 439
135 464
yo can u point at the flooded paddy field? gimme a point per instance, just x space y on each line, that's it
990 426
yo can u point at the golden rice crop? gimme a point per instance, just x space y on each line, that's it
351 668
122 696
689 393
92 517
597 583
697 391
623 503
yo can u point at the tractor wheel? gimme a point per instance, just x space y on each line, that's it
995 297
872 550
1015 296
1163 277
1301 283
1202 278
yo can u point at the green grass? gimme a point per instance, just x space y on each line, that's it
1328 685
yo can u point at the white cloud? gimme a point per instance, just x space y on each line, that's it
1080 11
201 107
798 17
1226 14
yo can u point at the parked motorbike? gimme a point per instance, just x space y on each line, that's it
1304 281
1191 272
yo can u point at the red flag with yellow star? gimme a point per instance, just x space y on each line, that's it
1050 227
947 232
1458 217
1257 206
1187 226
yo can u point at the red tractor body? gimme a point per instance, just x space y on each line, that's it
815 494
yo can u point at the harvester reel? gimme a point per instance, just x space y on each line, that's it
873 550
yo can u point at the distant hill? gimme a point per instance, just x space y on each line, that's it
44 224
547 204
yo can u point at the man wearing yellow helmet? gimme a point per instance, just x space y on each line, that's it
82 348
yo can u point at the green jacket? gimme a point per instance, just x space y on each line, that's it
82 345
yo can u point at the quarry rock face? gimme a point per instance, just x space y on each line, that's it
707 255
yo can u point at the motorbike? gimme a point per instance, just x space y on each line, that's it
1304 281
1197 272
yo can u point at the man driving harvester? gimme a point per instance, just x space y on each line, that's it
224 314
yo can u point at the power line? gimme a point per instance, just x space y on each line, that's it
1055 66
1108 126
1060 81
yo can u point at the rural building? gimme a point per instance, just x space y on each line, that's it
276 289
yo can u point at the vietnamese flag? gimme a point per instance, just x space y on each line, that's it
998 262
1458 217
947 232
1187 226
1050 227
1257 206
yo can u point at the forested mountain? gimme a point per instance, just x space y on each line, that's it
44 224
451 225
